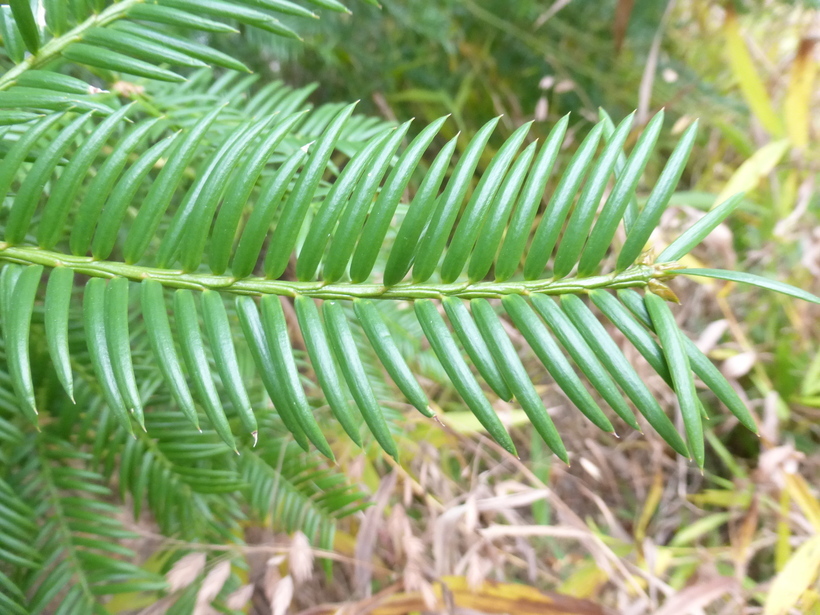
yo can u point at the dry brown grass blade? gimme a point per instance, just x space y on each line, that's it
698 596
623 11
368 533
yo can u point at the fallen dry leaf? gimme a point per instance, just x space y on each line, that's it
282 596
300 558
184 571
212 584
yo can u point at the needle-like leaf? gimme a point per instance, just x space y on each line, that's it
672 343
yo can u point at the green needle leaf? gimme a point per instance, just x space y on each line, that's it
20 304
28 196
552 221
436 235
186 317
378 222
58 300
293 214
185 47
139 48
631 212
65 191
634 332
95 334
477 349
437 333
239 191
353 216
270 196
493 228
176 17
569 333
218 328
332 5
699 230
99 57
650 217
388 353
418 217
162 345
332 206
159 196
516 376
21 148
24 18
230 10
34 98
604 230
262 357
119 346
580 221
110 221
91 206
48 80
323 362
477 208
191 224
673 349
623 372
754 280
550 355
347 355
276 330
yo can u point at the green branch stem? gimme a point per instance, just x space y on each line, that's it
53 49
635 276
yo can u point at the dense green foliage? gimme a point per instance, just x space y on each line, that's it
278 239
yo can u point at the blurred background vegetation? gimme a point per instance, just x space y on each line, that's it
628 526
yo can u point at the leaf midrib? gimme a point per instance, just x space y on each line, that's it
636 276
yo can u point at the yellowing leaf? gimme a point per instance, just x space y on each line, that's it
584 582
748 79
649 508
787 198
801 493
491 597
782 548
749 174
795 578
465 422
724 498
798 94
